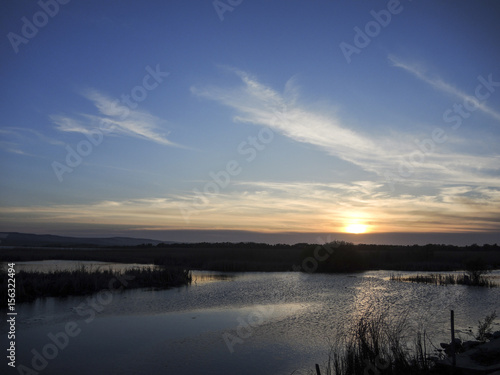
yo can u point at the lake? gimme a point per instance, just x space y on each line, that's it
226 323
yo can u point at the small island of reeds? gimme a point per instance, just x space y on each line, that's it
86 280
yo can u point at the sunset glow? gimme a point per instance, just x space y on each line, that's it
207 126
355 228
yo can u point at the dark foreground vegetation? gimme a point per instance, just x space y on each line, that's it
378 344
337 256
375 344
31 285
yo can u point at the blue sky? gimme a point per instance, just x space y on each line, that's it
282 116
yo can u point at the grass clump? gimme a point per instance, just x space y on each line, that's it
86 280
439 279
376 345
484 327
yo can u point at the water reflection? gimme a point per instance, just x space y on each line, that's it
198 277
204 277
181 330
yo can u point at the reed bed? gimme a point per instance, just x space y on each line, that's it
86 280
440 279
377 344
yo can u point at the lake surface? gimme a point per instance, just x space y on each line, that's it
239 323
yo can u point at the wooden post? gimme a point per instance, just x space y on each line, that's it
453 356
317 370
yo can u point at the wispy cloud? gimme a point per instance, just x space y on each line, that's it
117 118
22 134
17 139
441 85
11 147
261 105
69 125
258 104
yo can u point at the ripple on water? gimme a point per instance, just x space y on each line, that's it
297 316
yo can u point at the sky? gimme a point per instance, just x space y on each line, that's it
246 120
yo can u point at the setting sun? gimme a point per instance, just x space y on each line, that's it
355 228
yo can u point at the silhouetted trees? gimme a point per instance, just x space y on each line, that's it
338 256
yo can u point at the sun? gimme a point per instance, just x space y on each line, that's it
356 228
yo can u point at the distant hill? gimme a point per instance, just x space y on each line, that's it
48 240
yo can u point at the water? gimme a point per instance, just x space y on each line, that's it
251 323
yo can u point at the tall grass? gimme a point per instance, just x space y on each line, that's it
375 344
85 280
438 279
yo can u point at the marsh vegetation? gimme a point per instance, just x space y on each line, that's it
439 279
344 256
86 280
475 271
175 259
377 344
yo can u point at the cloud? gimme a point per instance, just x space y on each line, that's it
116 118
17 139
440 85
12 148
21 133
68 124
258 104
261 105
289 206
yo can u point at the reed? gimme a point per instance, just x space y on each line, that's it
439 279
376 344
86 280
